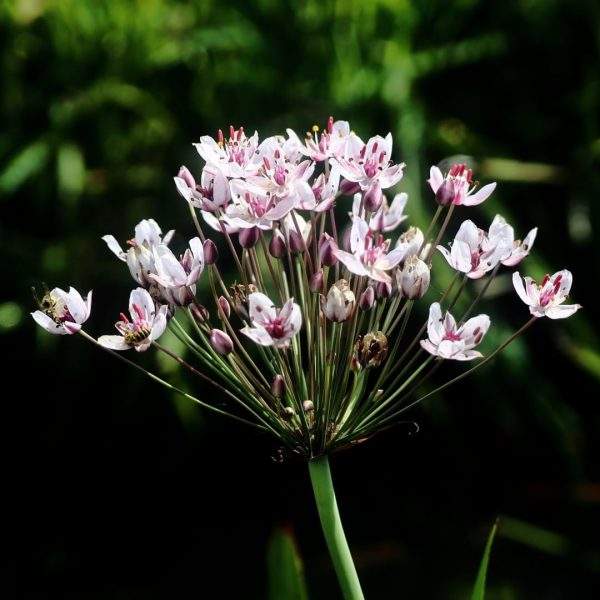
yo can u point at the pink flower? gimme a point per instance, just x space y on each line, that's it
330 144
517 250
369 165
234 157
370 255
270 326
446 340
474 252
546 299
388 216
324 191
212 193
456 187
63 313
146 324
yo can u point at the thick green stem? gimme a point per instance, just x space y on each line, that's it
320 476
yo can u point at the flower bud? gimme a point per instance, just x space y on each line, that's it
308 406
349 188
224 307
327 248
248 237
288 413
339 303
277 245
413 279
445 193
316 281
373 198
383 289
278 386
185 174
412 240
211 254
200 313
367 298
296 241
221 342
371 350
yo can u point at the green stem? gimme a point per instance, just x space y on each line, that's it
320 477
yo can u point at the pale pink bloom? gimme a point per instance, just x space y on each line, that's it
474 253
219 223
139 256
271 326
516 250
146 324
213 192
546 298
63 313
457 186
280 177
329 144
369 165
447 340
412 242
388 217
173 273
338 305
235 157
295 231
413 279
324 191
370 255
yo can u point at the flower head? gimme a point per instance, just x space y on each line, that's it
516 250
457 186
330 143
448 340
272 326
63 313
546 298
145 326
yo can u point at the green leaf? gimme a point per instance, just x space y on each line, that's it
25 164
285 568
479 588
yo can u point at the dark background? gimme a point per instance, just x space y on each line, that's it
125 491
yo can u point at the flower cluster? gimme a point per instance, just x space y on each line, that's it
324 306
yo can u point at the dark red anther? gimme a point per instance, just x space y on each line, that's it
220 137
231 132
557 282
123 317
266 163
330 124
277 154
545 280
374 150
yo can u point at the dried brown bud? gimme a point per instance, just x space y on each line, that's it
308 406
278 386
288 413
371 349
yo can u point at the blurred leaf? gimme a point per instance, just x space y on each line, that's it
585 357
11 315
479 589
70 169
285 568
535 537
27 163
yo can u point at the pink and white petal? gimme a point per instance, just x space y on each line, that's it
258 335
468 233
183 189
480 195
141 298
435 178
88 304
261 308
475 327
44 321
351 262
566 281
529 239
562 311
198 251
358 233
71 328
461 256
448 348
467 355
114 247
435 327
391 176
395 256
168 237
216 224
520 288
295 319
283 207
77 307
114 342
429 347
159 324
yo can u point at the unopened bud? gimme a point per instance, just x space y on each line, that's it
221 342
413 279
308 406
373 198
371 350
277 245
316 281
339 303
296 241
224 307
445 193
211 254
184 173
349 188
278 386
367 298
383 289
200 313
248 237
288 413
327 248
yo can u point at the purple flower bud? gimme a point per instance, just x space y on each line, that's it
277 246
327 248
185 174
200 313
349 188
221 342
278 386
224 306
248 237
316 282
383 290
445 193
373 198
296 241
211 254
367 298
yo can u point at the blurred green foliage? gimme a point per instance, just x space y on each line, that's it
101 99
